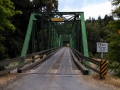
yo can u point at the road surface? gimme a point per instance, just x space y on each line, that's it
57 73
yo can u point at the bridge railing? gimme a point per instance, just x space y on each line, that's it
40 55
81 67
7 62
101 65
12 64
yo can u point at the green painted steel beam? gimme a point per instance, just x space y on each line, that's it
60 41
84 38
49 41
52 37
83 28
38 38
27 37
33 37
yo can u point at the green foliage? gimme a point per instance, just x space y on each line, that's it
64 28
116 10
115 68
113 38
7 11
114 45
96 31
91 55
37 5
51 5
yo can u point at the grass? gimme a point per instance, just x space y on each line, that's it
109 80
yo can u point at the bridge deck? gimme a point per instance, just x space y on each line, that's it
57 73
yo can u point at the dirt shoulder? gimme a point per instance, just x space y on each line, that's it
8 78
109 81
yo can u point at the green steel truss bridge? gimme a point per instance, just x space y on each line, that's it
48 21
54 51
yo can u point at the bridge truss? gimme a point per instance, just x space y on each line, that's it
42 32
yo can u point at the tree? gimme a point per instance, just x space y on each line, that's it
7 11
92 35
114 44
114 40
116 10
97 31
37 5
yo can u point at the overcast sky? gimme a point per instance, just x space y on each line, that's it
91 8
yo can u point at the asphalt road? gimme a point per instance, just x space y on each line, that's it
57 73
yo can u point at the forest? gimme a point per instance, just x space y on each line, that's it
14 18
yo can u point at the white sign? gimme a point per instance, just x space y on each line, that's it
102 47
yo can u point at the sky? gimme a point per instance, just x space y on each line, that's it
91 8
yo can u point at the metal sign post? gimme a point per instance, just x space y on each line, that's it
102 48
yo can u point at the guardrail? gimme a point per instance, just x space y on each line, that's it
102 71
79 65
48 53
7 62
41 54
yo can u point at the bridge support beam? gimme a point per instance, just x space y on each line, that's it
27 38
84 37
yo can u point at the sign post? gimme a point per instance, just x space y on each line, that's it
102 48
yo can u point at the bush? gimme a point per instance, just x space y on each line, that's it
115 68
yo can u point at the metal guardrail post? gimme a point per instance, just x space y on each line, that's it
103 69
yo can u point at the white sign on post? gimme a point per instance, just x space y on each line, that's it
102 47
